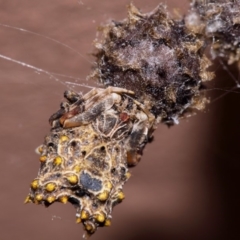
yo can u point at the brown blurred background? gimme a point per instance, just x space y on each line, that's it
187 184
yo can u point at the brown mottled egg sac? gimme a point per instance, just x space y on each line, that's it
220 25
85 158
158 58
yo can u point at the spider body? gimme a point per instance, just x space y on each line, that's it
85 158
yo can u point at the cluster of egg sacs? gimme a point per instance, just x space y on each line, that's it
219 23
157 57
80 167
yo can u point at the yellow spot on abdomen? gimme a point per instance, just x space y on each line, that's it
50 187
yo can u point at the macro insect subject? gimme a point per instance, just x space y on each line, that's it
152 69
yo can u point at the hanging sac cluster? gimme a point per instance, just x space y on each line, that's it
158 58
219 23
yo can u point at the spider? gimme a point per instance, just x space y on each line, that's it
85 159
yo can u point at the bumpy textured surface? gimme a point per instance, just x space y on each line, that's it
85 158
220 25
159 58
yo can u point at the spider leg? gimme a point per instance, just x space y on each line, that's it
75 111
139 136
91 113
151 117
98 93
54 119
71 96
96 101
